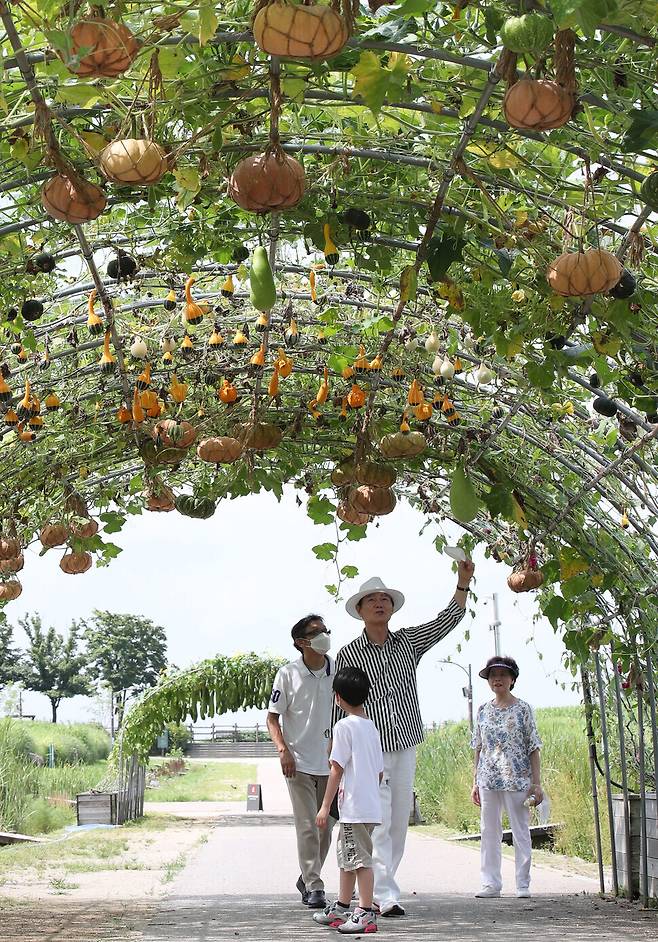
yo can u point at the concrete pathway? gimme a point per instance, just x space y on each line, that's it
240 884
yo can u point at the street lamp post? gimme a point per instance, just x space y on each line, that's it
467 691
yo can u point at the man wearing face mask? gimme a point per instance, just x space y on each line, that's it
298 722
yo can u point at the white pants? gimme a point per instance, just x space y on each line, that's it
388 838
491 826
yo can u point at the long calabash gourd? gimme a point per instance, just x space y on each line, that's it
262 290
464 501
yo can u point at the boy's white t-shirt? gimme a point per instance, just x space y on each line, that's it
357 748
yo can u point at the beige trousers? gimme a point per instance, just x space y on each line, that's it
306 795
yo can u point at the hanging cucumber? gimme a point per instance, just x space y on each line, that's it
262 290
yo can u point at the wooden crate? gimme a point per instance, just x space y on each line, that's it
634 869
97 808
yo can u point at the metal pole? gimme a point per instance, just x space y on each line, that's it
587 697
644 844
606 765
496 625
470 699
624 781
651 692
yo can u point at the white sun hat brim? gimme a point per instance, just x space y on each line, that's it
373 585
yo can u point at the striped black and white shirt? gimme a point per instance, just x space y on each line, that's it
392 704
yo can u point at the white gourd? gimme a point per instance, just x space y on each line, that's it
436 365
432 342
447 369
138 349
483 375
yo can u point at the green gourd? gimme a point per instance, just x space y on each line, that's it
531 32
464 501
262 290
199 507
649 190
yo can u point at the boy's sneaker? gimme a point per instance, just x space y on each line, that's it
361 920
333 916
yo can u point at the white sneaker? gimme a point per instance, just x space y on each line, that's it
488 892
523 893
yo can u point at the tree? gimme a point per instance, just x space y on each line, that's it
55 665
127 652
10 669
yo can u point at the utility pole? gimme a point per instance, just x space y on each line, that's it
466 691
495 626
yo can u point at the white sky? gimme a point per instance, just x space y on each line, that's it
239 581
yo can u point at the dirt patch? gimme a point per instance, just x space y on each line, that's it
130 864
73 921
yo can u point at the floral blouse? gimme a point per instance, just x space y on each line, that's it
505 736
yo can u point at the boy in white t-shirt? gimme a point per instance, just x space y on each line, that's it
357 767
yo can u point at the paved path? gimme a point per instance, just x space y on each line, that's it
240 884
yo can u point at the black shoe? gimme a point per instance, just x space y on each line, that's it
394 910
316 899
301 886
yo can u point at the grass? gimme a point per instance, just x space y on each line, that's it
75 743
445 775
205 782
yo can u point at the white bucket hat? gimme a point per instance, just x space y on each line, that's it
373 585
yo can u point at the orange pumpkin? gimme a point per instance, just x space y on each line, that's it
172 434
162 501
12 565
375 475
221 450
356 397
54 534
348 514
227 392
72 200
10 547
133 162
343 474
10 590
106 48
86 529
579 274
269 181
75 563
537 104
402 445
524 580
293 31
375 501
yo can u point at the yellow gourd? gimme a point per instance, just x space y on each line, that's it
258 359
415 395
144 378
273 388
228 288
227 392
107 362
356 397
331 255
323 391
177 391
95 325
192 312
137 411
240 338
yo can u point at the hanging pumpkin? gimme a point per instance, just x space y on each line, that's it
323 389
423 411
227 392
52 402
124 415
415 395
10 547
143 381
356 397
537 104
258 359
138 414
267 182
402 444
284 363
240 338
54 534
343 474
291 333
170 433
262 322
200 508
293 31
101 48
136 162
228 287
375 501
215 339
221 450
138 349
259 436
579 274
161 500
85 529
10 590
75 563
72 199
362 363
348 514
13 565
375 474
525 579
187 346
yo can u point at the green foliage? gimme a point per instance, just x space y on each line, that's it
55 666
75 743
9 657
218 685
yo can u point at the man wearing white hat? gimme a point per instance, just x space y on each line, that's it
390 660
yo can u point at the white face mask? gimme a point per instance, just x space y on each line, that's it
321 643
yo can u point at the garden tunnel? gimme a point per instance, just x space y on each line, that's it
404 252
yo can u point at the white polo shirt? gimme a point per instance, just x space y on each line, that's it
303 699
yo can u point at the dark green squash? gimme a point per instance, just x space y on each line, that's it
192 506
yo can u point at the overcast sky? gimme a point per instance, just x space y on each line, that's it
239 581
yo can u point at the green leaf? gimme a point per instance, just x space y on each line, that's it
79 94
558 609
207 21
642 132
353 533
293 89
349 571
332 589
415 7
113 521
442 251
320 509
373 81
325 551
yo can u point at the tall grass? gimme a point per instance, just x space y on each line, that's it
73 742
37 799
445 775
